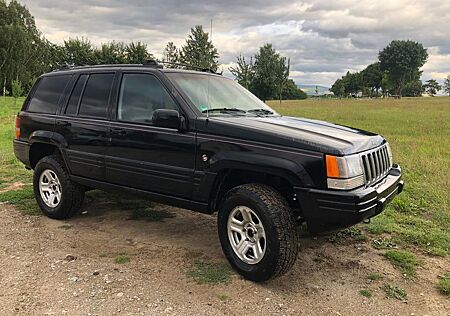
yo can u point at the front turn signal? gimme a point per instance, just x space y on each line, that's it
332 166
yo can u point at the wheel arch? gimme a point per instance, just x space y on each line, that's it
45 143
279 173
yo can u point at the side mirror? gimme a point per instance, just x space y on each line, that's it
167 118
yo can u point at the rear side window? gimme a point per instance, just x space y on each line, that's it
72 106
94 101
48 92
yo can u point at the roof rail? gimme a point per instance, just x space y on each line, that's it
149 63
204 69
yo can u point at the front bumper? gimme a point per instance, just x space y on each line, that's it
328 210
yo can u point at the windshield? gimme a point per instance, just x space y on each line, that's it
215 95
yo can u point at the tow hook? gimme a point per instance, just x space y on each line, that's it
366 221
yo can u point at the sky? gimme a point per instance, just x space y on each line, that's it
324 39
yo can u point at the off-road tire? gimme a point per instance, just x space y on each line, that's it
279 225
72 194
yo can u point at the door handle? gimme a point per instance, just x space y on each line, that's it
63 123
118 131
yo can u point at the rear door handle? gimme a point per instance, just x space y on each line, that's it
118 131
63 123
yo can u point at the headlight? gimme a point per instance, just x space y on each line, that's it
344 173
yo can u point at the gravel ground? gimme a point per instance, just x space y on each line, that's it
68 267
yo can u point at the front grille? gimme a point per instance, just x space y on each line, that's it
376 164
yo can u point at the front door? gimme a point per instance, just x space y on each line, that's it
144 156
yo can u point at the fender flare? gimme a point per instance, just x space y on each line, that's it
292 171
48 137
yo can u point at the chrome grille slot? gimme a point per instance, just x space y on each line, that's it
376 164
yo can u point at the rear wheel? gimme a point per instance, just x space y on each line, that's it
57 196
257 231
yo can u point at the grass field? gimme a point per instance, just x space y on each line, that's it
417 129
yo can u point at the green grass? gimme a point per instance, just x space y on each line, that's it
418 130
373 276
23 199
395 292
383 243
404 260
210 273
11 170
444 284
366 293
122 258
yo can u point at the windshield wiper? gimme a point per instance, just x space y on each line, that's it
261 111
224 110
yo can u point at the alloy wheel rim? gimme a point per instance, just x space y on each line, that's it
246 235
50 188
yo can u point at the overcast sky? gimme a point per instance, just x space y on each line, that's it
323 38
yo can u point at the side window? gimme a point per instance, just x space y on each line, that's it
94 101
72 106
140 95
48 93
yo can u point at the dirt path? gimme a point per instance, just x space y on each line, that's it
37 278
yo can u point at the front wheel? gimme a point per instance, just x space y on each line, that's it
257 231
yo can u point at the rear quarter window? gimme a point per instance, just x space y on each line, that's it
48 93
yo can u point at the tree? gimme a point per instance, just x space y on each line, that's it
80 52
338 88
136 53
16 90
413 88
371 78
109 53
432 87
269 70
20 45
171 55
447 85
352 83
386 84
243 72
292 92
402 59
282 75
199 51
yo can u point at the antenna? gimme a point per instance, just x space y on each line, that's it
210 33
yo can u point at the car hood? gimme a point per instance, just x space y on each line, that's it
301 133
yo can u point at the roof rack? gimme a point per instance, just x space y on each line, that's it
149 63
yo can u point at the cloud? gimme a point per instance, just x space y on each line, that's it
324 39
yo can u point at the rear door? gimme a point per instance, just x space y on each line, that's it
84 124
144 156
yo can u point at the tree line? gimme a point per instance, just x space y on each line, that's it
397 72
25 54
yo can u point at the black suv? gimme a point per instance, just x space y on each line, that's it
200 141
